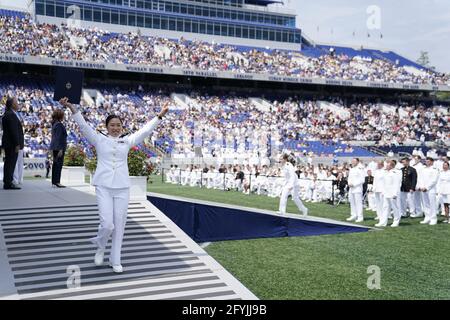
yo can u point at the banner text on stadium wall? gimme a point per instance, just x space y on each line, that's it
13 58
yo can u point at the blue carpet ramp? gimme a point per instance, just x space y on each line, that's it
205 222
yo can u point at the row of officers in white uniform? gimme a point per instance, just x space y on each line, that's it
397 191
392 189
262 181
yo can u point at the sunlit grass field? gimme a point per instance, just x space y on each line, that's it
414 259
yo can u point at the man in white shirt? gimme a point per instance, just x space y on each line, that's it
443 189
428 188
291 186
378 186
176 174
356 178
420 153
372 166
327 185
169 174
392 181
417 210
438 164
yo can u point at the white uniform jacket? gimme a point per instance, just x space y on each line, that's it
430 178
356 177
392 183
112 153
290 176
378 180
443 185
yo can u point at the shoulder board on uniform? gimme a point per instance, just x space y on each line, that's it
125 134
101 132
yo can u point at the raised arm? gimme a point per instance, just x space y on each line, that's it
139 136
86 130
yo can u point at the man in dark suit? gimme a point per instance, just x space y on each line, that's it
368 182
409 182
367 187
12 141
58 144
341 183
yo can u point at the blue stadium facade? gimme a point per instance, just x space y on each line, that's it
238 19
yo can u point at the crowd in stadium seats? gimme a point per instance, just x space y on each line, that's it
296 124
24 36
37 106
229 126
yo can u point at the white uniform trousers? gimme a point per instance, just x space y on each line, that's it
356 205
440 204
295 196
219 182
309 194
406 200
176 177
113 209
390 204
430 206
18 171
379 204
418 207
211 181
262 186
372 201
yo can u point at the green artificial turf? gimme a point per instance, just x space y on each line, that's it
414 259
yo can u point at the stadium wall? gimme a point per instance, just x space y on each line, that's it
164 70
264 89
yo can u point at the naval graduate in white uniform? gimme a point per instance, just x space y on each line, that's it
378 187
392 179
428 187
356 177
443 189
111 179
291 186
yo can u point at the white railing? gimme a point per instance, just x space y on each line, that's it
335 109
261 104
180 100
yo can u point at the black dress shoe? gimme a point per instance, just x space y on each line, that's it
11 187
59 185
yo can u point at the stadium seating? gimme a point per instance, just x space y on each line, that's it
229 123
24 36
12 13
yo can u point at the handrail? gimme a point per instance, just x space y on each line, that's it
378 151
